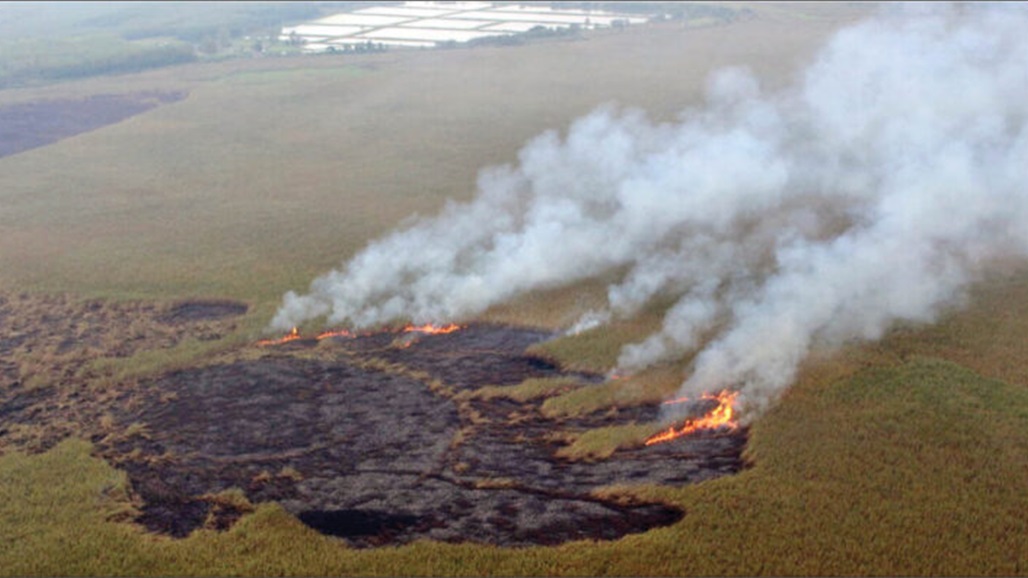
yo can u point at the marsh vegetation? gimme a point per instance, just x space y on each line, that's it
141 261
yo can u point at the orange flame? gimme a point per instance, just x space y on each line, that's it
291 336
335 333
430 329
427 329
721 416
682 400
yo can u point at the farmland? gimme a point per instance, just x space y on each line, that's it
428 24
141 260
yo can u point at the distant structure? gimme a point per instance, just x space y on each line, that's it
431 24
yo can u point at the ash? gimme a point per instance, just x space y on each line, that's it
366 441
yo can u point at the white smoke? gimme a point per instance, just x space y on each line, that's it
591 320
872 191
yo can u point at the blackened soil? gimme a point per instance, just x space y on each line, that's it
357 438
28 125
479 355
358 523
49 345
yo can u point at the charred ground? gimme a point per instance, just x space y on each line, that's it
372 438
28 125
51 385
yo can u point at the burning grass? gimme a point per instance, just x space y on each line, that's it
877 462
914 469
722 416
187 433
918 460
392 440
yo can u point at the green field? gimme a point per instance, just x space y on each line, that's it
904 457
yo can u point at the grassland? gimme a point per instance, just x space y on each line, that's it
272 171
908 456
915 467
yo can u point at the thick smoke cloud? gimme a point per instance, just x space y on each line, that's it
874 190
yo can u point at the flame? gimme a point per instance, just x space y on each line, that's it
291 336
430 329
721 416
427 329
411 333
681 400
335 333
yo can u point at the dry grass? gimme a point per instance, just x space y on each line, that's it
600 443
650 386
526 390
273 171
917 469
905 457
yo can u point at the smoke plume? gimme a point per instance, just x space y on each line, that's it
873 190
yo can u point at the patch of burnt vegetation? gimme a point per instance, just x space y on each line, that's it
368 439
377 439
199 310
28 125
476 356
359 523
49 345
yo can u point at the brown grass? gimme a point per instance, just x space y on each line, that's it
905 457
526 390
272 171
919 468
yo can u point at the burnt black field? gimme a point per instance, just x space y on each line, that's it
29 125
367 443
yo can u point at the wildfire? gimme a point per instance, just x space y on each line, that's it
426 329
430 329
721 416
335 333
291 336
678 400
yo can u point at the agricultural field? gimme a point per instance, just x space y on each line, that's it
152 424
428 24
